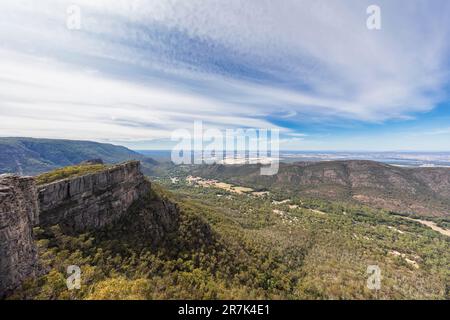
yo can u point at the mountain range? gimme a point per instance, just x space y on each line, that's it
30 156
311 234
423 191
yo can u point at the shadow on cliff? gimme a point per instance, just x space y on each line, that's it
157 223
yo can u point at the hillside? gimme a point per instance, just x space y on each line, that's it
210 243
422 191
31 156
240 247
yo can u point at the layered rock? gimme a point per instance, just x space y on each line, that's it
94 200
76 204
18 214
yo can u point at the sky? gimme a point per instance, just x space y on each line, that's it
135 71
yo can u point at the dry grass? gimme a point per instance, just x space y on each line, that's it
68 172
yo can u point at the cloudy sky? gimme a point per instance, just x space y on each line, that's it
136 70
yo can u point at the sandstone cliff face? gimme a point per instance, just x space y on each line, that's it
94 200
118 196
18 213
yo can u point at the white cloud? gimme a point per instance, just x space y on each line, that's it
48 99
139 69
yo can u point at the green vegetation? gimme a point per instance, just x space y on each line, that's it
68 172
316 245
405 190
231 246
337 241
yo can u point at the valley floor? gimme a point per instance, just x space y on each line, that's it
337 242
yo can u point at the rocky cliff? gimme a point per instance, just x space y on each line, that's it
76 204
18 213
94 200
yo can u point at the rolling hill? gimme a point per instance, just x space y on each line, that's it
178 241
183 242
422 191
31 156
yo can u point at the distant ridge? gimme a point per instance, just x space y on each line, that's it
424 191
30 156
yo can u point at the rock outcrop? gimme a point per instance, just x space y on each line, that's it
94 200
91 162
18 214
76 204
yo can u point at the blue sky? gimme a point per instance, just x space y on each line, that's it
138 70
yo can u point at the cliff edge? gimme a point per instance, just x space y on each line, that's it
91 201
77 204
18 214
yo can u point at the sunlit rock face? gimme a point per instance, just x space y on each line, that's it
19 212
118 195
94 200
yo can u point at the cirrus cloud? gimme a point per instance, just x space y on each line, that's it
139 69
